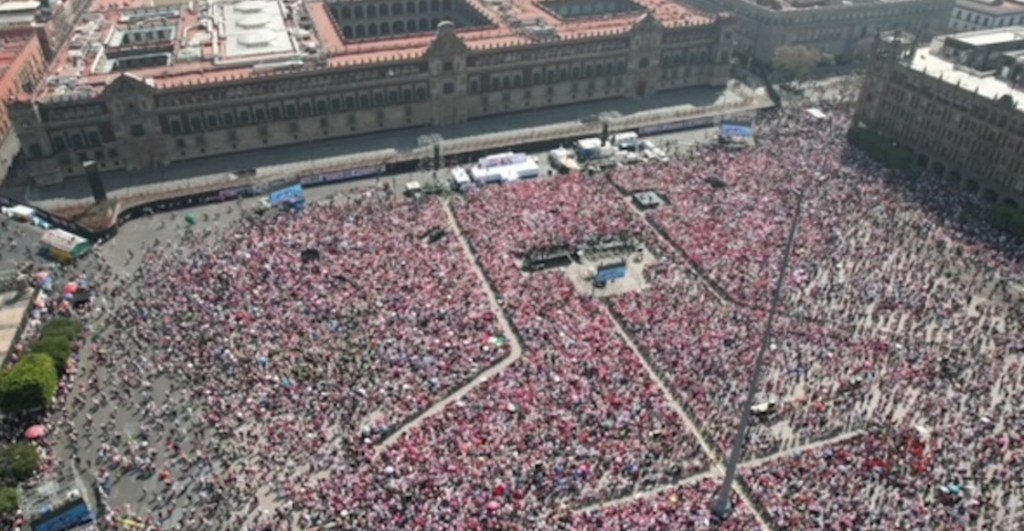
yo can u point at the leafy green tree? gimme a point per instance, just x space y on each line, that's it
57 347
62 327
18 462
28 386
8 501
795 62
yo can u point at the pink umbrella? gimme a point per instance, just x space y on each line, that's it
35 432
71 287
493 505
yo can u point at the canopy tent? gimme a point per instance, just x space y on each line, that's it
20 212
65 246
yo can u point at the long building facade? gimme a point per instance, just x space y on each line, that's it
332 76
956 103
835 27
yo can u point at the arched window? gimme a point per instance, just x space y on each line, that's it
398 27
346 12
360 31
347 32
359 11
410 7
371 29
396 8
435 5
371 11
423 6
384 10
424 25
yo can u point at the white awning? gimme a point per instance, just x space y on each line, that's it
62 240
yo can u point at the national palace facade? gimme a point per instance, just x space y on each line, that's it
138 88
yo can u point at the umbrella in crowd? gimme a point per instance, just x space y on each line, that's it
35 432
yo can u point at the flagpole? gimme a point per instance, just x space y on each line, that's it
722 504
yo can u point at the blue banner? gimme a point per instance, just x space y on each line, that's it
344 175
737 131
692 123
292 195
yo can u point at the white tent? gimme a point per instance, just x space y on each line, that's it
817 113
20 212
504 167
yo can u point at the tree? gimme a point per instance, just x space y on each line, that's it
18 462
795 62
62 327
1007 218
30 385
8 501
57 347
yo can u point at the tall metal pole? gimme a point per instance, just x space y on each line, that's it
722 505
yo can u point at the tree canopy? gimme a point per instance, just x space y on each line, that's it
30 385
795 62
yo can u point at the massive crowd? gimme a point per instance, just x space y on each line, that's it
280 368
901 322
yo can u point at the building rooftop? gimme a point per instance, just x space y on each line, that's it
794 5
982 61
11 45
197 43
992 7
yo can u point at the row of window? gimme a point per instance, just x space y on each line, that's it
550 75
396 9
250 114
604 47
985 20
398 27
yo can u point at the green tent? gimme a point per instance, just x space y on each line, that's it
190 218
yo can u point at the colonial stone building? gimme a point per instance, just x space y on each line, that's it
957 104
835 27
22 66
971 15
142 87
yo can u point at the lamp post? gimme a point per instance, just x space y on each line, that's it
722 504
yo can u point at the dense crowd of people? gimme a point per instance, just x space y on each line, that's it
281 368
902 315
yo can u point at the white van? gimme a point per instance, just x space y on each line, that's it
626 141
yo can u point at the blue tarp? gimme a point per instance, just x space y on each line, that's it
611 273
293 195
